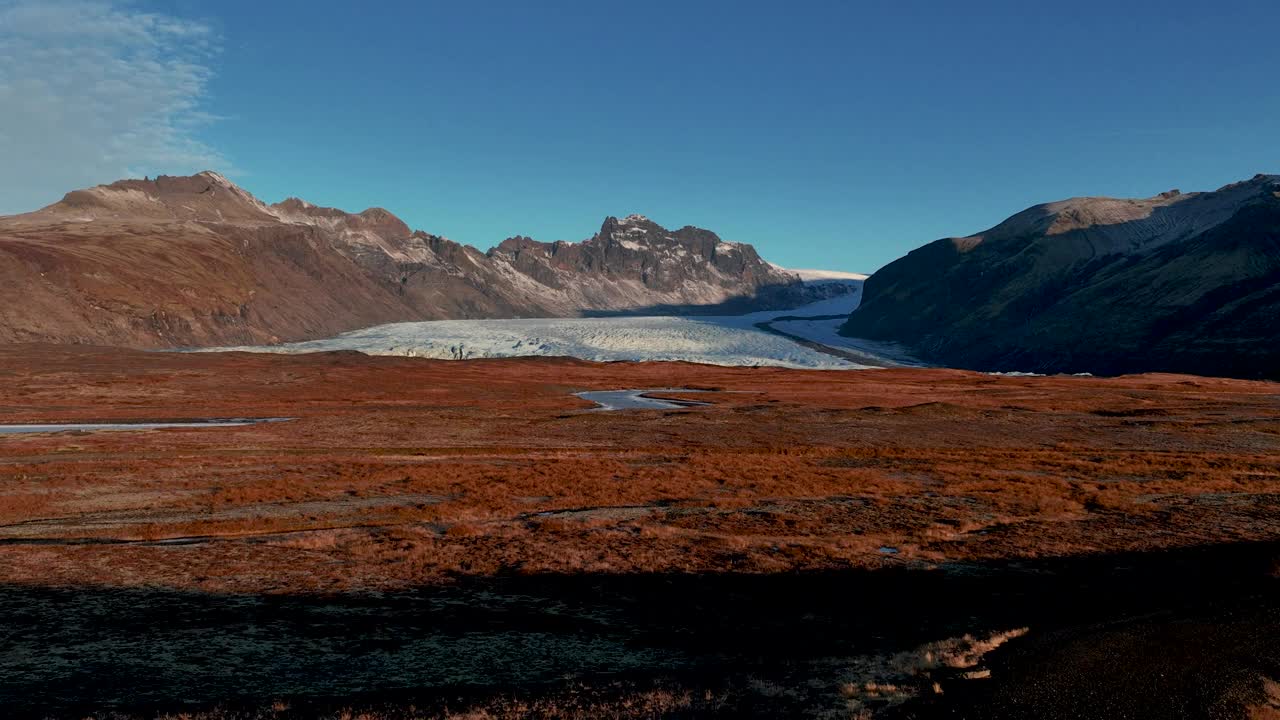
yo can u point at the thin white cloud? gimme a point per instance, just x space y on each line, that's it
92 91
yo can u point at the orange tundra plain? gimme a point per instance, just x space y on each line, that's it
402 475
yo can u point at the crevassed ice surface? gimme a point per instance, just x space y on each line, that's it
717 340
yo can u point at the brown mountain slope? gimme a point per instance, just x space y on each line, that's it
191 261
1178 282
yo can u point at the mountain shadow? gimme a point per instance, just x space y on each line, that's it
1181 633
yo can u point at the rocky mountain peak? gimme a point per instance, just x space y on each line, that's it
1085 227
229 269
375 220
384 223
298 207
206 196
218 179
518 244
636 225
1269 183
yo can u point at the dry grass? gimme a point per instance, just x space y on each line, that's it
18 506
400 472
406 474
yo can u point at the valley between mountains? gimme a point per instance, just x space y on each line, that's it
1179 282
279 462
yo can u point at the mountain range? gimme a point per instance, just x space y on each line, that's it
1180 282
198 261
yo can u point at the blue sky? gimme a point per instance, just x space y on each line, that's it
829 134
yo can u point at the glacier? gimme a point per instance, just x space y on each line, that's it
732 340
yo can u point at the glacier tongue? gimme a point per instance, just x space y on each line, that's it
734 340
702 340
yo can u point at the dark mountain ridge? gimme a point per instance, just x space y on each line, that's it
1177 282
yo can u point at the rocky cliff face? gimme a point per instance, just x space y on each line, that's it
194 261
1177 282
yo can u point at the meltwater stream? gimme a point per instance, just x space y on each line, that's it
639 399
91 427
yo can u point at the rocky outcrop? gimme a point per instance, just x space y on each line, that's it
1177 282
198 261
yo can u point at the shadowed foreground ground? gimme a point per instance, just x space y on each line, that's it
1187 633
468 539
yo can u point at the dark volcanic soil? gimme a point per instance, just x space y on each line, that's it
470 540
